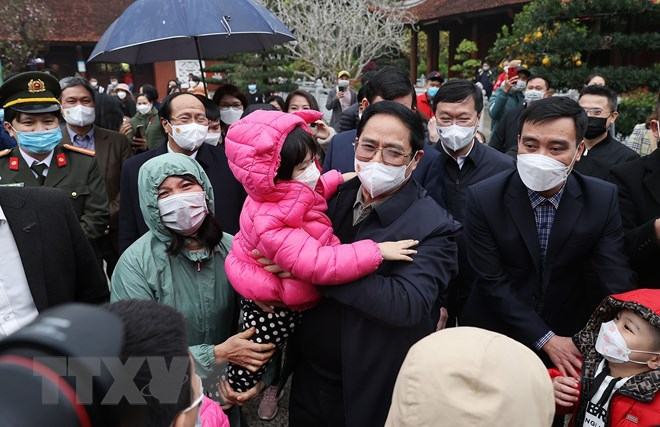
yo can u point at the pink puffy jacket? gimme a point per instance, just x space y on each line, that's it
286 221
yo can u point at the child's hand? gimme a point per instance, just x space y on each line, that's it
398 251
566 391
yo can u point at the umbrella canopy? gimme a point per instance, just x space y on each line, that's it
164 30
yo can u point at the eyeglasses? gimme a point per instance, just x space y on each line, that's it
448 121
187 119
236 105
391 156
595 112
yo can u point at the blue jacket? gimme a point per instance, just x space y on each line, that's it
340 156
229 193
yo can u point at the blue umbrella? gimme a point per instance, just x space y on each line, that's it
165 30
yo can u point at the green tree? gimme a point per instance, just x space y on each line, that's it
465 66
565 40
26 27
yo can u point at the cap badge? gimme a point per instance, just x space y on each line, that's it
35 86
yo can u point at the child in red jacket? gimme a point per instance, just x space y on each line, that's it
620 377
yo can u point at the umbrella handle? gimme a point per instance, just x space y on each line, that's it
225 22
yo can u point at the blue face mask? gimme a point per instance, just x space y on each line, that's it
432 91
39 142
252 87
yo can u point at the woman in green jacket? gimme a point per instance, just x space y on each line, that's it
180 262
151 134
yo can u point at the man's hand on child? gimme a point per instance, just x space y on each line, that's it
564 355
271 267
566 391
398 251
239 350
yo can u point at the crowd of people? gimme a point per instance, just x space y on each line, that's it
392 263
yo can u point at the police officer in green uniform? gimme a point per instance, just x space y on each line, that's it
32 117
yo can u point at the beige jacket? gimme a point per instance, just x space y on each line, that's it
471 377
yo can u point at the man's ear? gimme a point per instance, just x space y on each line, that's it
655 128
164 124
364 104
615 114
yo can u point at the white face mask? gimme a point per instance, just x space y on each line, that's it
519 86
532 95
184 212
541 173
79 115
121 94
379 178
310 175
189 137
456 137
143 109
212 138
611 344
230 115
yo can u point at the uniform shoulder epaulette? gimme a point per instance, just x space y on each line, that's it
81 150
3 153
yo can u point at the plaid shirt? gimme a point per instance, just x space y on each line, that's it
544 214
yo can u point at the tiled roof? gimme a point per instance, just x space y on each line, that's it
435 9
84 20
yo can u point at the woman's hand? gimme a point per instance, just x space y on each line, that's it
125 128
433 130
239 350
322 131
398 251
139 144
231 398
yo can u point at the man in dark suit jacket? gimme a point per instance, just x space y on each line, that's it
111 151
388 84
55 254
350 347
639 201
544 248
229 193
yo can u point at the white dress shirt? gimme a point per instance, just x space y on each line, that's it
17 307
30 160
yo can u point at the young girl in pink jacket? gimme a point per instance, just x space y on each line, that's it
283 219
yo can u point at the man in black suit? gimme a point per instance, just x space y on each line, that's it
388 84
46 259
230 194
545 245
639 201
351 345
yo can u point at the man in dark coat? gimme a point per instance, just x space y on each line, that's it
229 193
639 202
350 347
46 258
464 161
601 150
544 248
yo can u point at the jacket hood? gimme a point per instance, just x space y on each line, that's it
253 146
153 173
471 377
643 302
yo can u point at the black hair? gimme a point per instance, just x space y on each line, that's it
195 78
547 84
313 104
297 145
278 100
553 108
150 92
153 330
165 110
212 109
406 115
592 75
209 233
11 114
109 114
68 82
229 89
456 91
389 83
255 107
601 91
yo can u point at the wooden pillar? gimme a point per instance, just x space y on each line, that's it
475 38
451 51
432 48
414 55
